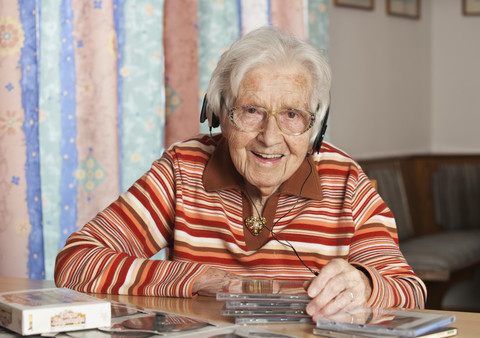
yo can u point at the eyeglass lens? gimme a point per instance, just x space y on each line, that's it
290 121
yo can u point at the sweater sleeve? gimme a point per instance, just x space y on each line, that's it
110 253
375 249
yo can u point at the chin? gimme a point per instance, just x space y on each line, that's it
264 185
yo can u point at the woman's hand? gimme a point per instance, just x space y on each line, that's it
338 287
212 281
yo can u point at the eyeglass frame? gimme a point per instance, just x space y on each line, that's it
274 114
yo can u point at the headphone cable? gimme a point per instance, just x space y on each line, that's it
276 236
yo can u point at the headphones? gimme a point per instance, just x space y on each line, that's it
203 115
215 122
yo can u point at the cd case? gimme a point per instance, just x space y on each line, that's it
265 312
382 321
270 290
251 320
442 332
233 304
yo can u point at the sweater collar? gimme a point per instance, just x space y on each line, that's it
220 174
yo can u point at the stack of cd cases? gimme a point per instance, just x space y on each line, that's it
265 301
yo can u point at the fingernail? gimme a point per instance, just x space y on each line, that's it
312 292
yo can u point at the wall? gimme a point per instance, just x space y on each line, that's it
404 86
455 79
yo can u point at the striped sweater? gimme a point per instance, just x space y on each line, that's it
193 202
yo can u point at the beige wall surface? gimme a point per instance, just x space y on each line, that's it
455 80
403 86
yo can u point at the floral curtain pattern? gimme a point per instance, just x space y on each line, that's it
92 91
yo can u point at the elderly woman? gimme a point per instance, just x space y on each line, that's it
259 200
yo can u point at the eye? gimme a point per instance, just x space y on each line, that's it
292 114
251 110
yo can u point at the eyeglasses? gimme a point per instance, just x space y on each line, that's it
290 121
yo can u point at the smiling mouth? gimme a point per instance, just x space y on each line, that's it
267 156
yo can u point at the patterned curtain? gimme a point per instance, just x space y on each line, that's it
92 91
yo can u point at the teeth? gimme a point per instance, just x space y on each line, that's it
269 156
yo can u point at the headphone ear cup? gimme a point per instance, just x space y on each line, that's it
215 121
317 143
203 114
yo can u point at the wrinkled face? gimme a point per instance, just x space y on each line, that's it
268 158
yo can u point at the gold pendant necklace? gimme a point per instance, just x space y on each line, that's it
255 224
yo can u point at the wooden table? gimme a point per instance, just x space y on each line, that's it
468 323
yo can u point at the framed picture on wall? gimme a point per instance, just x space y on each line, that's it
405 8
361 4
471 7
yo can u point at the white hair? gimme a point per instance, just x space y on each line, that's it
267 46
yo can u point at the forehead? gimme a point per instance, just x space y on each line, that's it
271 84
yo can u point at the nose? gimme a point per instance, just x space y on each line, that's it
271 134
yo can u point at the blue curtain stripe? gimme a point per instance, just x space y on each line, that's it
118 18
318 26
50 130
239 16
217 29
29 83
68 147
143 90
269 12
